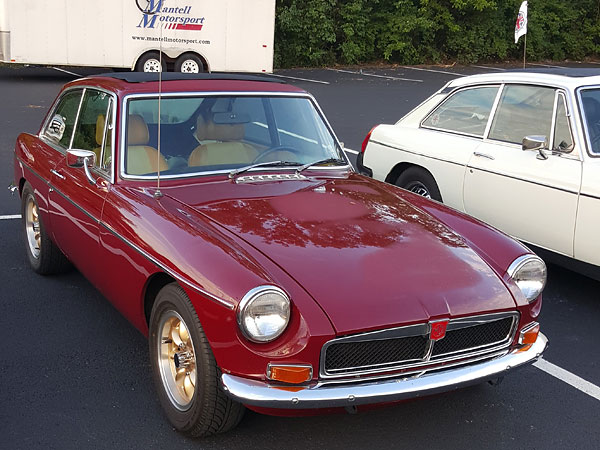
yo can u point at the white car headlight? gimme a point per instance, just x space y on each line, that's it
264 313
529 273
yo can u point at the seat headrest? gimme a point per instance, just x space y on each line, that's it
100 129
137 130
208 130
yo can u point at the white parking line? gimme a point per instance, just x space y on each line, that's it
10 216
432 70
577 382
301 79
66 71
545 65
489 68
375 75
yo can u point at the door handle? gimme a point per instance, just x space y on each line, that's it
484 155
58 174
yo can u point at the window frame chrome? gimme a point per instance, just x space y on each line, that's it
124 112
422 329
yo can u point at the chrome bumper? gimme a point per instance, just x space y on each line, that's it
259 393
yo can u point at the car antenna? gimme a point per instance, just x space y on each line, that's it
148 11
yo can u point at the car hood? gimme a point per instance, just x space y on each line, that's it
367 256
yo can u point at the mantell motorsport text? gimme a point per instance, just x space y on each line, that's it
170 17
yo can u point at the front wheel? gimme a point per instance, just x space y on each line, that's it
419 181
184 368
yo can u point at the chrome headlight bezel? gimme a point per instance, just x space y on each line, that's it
252 299
520 272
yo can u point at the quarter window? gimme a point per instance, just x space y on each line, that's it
60 128
467 111
523 111
562 140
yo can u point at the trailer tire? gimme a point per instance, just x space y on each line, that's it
151 62
189 63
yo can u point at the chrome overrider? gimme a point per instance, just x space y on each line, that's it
328 395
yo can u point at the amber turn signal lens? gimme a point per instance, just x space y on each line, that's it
529 335
289 374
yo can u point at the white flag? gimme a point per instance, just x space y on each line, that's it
521 26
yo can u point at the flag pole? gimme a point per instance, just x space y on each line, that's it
524 50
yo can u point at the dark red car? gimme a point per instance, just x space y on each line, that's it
226 223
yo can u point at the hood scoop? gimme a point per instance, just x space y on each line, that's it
270 177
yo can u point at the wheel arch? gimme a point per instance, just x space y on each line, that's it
154 284
399 168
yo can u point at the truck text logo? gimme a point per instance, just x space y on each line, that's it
172 18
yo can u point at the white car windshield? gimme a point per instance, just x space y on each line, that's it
207 134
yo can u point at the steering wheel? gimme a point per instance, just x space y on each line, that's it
271 150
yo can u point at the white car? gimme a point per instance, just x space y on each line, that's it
519 150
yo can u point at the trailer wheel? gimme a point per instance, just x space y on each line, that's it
189 63
150 62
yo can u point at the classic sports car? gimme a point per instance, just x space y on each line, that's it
225 222
464 146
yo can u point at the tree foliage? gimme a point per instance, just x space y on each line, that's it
319 32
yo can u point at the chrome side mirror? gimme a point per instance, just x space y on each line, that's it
536 143
82 158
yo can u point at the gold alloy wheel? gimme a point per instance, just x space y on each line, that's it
177 360
32 227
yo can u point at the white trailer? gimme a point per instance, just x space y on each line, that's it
196 35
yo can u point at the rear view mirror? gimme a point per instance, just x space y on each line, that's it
536 143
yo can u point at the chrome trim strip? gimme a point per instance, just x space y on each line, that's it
419 330
268 395
415 153
124 112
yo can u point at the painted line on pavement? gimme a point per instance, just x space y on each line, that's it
564 375
66 71
546 65
297 78
10 216
349 150
433 70
375 75
489 68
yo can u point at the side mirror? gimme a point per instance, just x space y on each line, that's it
82 158
536 143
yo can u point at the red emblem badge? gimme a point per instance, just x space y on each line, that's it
438 330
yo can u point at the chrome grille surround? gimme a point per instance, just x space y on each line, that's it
429 359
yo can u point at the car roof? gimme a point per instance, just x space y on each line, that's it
563 76
125 83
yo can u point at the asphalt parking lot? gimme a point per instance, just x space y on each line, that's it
75 374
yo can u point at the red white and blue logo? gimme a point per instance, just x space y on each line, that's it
171 18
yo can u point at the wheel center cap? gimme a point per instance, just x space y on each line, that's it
182 359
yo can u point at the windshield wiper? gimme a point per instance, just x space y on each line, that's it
235 172
321 161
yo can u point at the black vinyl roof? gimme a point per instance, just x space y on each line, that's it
145 77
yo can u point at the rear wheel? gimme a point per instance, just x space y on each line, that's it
419 181
189 63
184 369
43 255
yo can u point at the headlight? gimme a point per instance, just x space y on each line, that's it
263 313
529 273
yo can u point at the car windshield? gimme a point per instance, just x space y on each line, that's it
205 134
590 99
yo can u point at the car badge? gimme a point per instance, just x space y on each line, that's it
438 329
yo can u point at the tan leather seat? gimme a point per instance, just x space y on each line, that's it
141 158
100 125
221 144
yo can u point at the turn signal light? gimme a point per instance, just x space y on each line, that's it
529 335
289 374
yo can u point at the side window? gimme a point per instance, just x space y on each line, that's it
60 128
91 130
466 111
523 111
563 139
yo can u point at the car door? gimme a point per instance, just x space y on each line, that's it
530 195
75 202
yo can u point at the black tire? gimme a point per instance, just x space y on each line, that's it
419 181
150 60
44 256
207 410
189 63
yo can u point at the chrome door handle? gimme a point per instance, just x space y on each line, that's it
484 155
58 174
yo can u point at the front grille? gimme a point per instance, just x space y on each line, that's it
473 337
357 355
410 346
